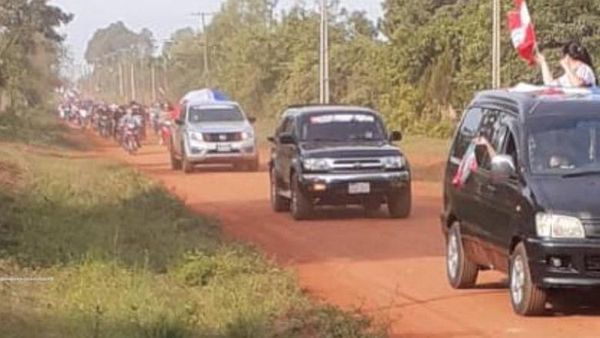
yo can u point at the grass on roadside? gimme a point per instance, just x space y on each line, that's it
128 260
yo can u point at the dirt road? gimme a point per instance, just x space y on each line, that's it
393 270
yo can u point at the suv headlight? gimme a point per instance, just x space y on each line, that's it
194 136
558 226
394 162
247 135
317 164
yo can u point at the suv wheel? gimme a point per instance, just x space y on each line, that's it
527 299
461 271
175 163
400 204
278 202
254 165
301 207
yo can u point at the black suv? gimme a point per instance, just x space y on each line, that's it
532 206
337 155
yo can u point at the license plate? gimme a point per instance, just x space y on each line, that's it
359 188
224 148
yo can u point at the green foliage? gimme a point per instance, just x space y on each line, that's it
117 38
128 260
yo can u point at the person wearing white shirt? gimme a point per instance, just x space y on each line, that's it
577 64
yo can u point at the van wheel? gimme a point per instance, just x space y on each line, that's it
461 271
278 202
400 204
301 207
527 299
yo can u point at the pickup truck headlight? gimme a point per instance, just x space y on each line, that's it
317 164
558 226
394 162
194 136
247 135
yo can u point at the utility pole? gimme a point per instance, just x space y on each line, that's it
153 79
133 93
324 55
496 45
121 81
203 16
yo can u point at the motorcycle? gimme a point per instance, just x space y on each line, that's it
131 134
105 126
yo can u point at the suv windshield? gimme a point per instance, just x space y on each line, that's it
214 114
342 127
566 145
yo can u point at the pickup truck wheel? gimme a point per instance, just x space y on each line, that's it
175 163
254 165
399 205
460 270
301 207
187 166
278 202
527 299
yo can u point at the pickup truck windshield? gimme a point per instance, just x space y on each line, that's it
565 145
342 127
213 114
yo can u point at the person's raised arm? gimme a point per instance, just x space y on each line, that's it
546 73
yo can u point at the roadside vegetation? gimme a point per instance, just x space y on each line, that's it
129 260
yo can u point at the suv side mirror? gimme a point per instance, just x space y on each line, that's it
252 119
396 136
179 122
271 139
503 167
287 139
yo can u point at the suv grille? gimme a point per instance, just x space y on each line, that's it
222 137
592 263
360 164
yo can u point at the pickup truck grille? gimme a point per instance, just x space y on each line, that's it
222 137
360 164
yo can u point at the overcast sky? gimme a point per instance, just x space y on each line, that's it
161 16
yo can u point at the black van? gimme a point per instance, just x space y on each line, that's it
532 206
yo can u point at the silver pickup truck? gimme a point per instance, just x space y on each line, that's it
216 132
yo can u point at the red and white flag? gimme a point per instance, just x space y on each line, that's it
522 31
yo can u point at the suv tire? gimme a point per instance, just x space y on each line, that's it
254 165
186 165
301 207
400 204
175 163
278 202
527 299
460 270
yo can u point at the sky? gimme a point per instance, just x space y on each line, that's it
162 17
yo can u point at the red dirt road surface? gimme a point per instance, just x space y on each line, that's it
392 270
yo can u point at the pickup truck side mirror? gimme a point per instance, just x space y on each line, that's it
271 139
179 122
287 139
503 168
252 120
396 136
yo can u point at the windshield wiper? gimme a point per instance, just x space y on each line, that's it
582 173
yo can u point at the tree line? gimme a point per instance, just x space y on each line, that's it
419 64
31 52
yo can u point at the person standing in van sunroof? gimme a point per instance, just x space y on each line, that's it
577 64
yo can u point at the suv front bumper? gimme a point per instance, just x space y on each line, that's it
580 262
335 187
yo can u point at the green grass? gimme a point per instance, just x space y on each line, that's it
129 260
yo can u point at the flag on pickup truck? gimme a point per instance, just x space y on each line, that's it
522 31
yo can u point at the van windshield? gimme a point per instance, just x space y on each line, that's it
564 145
215 114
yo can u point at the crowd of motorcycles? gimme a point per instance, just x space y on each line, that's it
126 124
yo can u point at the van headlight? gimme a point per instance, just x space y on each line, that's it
317 164
558 226
394 162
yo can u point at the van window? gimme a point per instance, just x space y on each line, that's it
495 131
467 131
